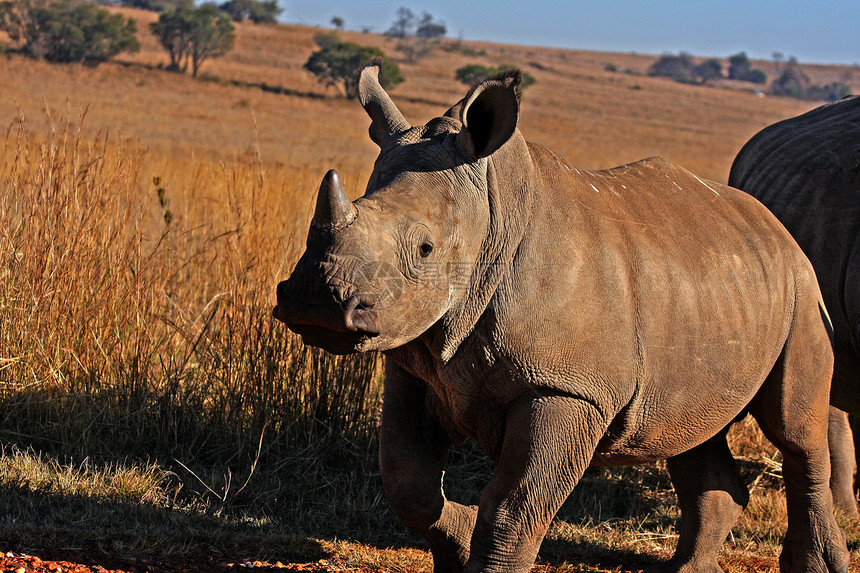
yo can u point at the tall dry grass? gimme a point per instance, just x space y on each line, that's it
135 310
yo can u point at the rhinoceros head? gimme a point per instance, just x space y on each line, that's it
381 271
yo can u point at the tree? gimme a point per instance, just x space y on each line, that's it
193 34
67 30
211 36
258 11
740 68
403 24
337 22
173 30
778 59
336 64
709 70
756 76
680 68
429 29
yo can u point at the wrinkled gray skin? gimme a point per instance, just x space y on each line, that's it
563 318
806 170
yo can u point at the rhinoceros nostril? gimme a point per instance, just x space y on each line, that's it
360 315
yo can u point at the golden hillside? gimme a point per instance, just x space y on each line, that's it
594 117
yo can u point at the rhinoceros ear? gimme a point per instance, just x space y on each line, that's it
454 111
489 113
386 118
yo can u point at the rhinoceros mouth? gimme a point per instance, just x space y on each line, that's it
324 326
331 341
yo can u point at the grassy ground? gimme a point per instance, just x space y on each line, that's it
326 502
148 403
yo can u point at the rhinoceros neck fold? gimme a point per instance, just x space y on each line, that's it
511 183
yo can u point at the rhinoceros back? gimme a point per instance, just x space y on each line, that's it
806 170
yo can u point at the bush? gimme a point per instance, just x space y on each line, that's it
829 92
473 73
792 82
156 5
326 39
680 68
258 11
756 76
336 64
67 30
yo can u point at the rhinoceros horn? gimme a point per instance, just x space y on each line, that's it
387 119
334 209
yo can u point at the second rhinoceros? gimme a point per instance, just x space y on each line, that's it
806 170
562 318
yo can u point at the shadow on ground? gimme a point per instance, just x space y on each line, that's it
36 520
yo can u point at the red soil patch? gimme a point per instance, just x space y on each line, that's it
78 562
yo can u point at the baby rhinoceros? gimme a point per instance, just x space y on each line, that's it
562 318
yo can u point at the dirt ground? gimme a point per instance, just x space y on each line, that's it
77 562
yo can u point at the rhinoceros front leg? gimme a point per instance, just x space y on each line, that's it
413 451
843 463
549 441
711 495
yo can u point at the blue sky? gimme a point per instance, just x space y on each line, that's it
827 31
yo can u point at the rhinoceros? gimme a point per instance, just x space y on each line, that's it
806 170
561 318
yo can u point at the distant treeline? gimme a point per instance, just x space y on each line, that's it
792 81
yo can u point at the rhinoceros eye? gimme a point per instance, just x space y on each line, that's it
425 249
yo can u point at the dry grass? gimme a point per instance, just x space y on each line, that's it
136 334
147 398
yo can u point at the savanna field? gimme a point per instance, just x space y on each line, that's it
153 416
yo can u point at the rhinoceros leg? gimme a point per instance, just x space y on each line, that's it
413 450
792 409
843 462
855 427
711 495
549 441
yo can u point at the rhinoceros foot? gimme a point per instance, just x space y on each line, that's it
450 536
822 553
706 566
